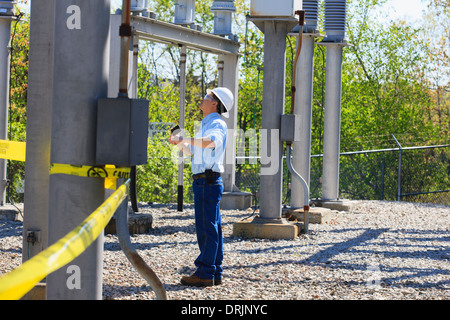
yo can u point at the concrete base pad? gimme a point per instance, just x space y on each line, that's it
339 205
317 215
274 229
11 213
138 223
236 200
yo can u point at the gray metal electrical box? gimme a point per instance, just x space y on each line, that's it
122 132
271 8
290 124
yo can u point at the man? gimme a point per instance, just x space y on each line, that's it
208 148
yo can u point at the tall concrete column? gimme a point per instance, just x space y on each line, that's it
275 33
303 107
335 17
232 197
81 59
39 108
269 224
181 123
6 15
332 121
229 65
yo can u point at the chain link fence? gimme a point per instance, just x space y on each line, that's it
416 174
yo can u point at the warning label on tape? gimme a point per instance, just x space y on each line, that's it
108 171
12 150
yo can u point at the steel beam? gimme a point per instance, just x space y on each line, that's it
165 32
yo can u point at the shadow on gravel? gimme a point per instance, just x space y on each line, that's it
408 276
10 229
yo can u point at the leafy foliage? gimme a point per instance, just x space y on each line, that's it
395 81
18 103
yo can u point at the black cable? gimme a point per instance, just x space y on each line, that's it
133 193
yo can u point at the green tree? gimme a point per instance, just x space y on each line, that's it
159 80
395 81
384 92
436 34
18 102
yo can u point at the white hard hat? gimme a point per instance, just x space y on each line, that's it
225 96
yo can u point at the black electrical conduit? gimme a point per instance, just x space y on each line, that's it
121 217
133 194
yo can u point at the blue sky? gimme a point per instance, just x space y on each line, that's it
404 9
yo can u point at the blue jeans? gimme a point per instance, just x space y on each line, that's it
209 228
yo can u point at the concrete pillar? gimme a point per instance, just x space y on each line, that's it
81 60
303 107
181 123
332 121
229 71
232 197
39 108
6 16
269 224
272 108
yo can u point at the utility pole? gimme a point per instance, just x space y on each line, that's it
80 79
181 124
39 111
275 33
269 223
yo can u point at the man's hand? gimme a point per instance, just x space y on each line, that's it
175 139
178 141
200 142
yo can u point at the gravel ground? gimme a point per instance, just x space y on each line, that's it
379 250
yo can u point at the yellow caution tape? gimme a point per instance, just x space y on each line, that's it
18 282
110 172
12 150
110 183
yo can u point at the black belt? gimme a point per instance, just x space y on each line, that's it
203 175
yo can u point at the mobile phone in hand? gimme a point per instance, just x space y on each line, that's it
177 127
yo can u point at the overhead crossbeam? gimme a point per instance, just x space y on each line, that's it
169 33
